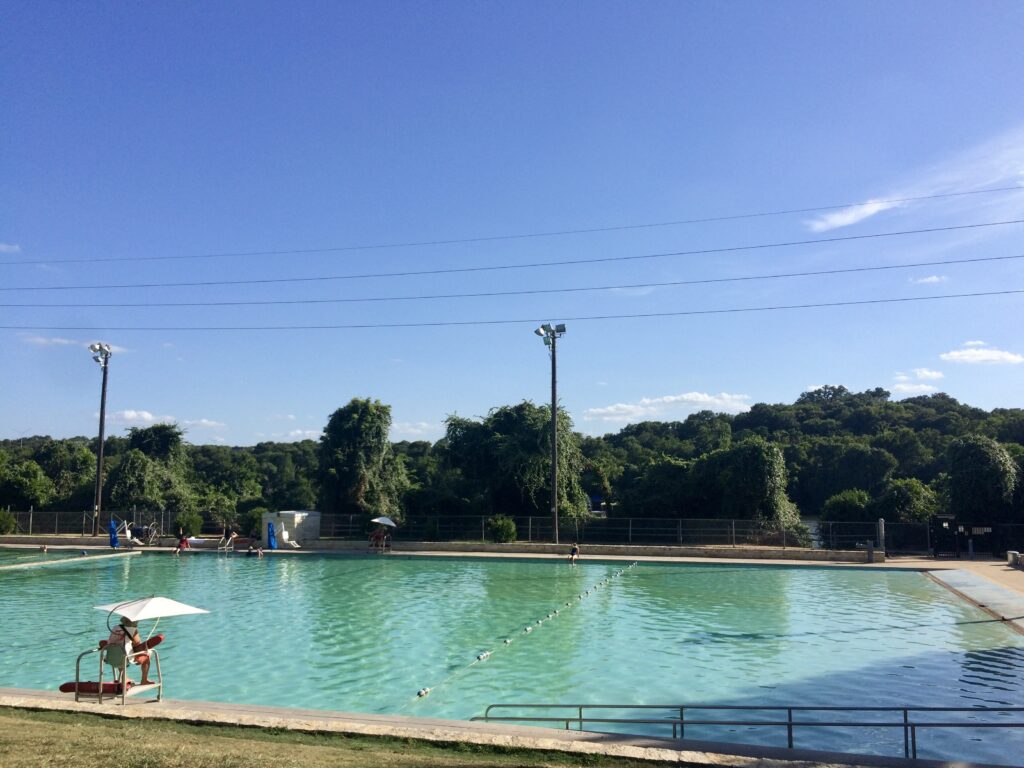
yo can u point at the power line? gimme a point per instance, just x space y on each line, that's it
513 321
533 265
519 236
530 292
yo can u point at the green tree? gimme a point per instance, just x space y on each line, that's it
134 483
982 480
505 461
162 442
71 466
359 473
906 501
25 485
850 506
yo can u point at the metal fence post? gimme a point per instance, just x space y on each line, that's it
789 727
631 530
679 530
880 533
30 521
783 537
529 529
906 735
483 528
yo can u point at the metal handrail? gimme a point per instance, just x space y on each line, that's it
909 727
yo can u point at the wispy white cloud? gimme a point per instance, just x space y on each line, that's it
52 341
416 430
997 162
930 280
650 407
57 341
901 377
847 216
204 423
928 373
133 418
305 434
10 248
914 389
974 343
982 355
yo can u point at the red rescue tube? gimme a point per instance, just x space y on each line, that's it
153 642
93 687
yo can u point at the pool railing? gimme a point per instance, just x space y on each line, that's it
576 715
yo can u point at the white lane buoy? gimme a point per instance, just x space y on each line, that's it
484 655
556 610
527 630
508 641
422 692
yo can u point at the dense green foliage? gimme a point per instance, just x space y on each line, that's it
844 456
359 473
501 529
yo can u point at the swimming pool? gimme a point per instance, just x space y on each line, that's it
23 555
366 633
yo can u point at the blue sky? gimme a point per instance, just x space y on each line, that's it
151 134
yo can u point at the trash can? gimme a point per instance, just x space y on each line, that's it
1012 558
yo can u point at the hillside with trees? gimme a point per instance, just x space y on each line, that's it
833 454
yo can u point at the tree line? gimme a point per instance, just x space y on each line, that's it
833 454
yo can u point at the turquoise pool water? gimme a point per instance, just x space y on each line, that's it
366 633
34 555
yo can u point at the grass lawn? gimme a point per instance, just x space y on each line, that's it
72 740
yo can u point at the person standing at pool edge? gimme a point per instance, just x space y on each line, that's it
574 554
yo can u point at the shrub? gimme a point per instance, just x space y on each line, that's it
190 522
251 520
850 506
7 522
501 529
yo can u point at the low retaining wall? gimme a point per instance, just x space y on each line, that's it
519 548
614 550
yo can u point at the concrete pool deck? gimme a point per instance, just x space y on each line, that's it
681 752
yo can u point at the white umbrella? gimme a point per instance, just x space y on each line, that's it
148 608
385 521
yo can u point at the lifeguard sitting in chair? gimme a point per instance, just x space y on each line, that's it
125 643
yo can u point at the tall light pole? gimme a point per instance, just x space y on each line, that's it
550 334
101 354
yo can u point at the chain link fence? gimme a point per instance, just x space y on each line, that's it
899 538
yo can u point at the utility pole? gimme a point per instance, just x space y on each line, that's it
101 354
550 334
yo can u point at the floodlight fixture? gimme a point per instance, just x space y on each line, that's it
540 331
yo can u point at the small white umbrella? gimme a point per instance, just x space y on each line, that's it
150 608
385 521
144 608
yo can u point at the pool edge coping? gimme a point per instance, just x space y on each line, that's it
440 731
